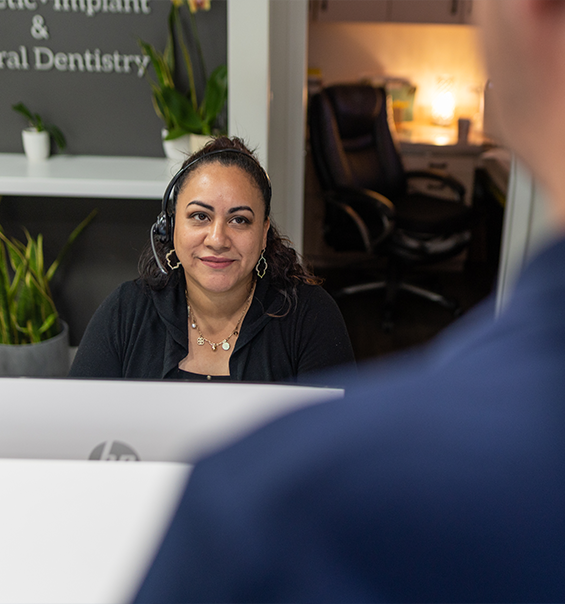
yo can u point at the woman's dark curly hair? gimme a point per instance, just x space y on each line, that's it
284 266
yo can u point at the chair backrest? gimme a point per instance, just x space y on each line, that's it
352 145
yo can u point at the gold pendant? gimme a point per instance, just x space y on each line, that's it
214 346
200 341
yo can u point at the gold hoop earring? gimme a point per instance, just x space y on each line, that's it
261 266
168 259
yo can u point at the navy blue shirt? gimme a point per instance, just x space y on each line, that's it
440 478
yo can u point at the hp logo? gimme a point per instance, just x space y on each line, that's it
114 450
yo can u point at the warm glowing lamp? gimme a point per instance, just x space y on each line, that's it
443 103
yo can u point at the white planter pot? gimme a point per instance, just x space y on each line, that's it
197 141
180 148
50 358
37 145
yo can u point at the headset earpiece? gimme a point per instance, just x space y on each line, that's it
159 229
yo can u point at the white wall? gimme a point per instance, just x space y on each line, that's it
287 134
527 229
248 74
267 44
419 52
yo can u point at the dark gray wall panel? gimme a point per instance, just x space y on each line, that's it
100 113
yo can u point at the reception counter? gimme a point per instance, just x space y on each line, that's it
80 517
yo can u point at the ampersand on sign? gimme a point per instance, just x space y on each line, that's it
38 29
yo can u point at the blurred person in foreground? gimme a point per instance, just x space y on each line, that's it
438 479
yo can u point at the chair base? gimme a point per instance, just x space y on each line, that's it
392 290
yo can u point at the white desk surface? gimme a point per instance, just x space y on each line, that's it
79 531
86 176
420 137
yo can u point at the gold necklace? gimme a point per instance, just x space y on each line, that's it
223 343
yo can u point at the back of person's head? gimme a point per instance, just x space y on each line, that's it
524 47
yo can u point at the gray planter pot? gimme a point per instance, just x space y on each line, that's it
46 359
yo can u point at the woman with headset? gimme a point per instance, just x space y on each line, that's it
221 296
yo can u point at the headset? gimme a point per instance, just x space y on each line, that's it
163 228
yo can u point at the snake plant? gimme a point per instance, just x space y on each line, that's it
27 310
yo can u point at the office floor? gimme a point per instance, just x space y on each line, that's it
416 320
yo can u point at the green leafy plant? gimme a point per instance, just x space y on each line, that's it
182 112
27 310
35 121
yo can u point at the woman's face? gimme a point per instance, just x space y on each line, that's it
220 228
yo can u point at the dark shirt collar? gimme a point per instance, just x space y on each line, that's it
170 303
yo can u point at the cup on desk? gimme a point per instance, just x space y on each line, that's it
463 128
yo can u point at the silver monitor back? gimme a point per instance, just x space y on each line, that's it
122 420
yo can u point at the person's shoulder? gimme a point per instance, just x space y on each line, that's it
311 289
129 289
127 294
314 294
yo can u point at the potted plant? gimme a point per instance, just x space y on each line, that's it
185 116
37 137
33 339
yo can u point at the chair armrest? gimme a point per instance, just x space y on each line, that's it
348 212
447 179
373 210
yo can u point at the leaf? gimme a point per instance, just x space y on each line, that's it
16 254
183 115
38 264
23 110
72 237
160 66
189 68
39 122
24 310
174 133
169 52
57 136
216 95
49 322
32 251
5 321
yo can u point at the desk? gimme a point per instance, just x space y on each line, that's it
422 135
424 147
79 531
86 176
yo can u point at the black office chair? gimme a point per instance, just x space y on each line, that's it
369 201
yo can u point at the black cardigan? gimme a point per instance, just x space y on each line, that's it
142 333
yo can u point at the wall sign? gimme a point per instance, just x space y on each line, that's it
78 63
44 58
